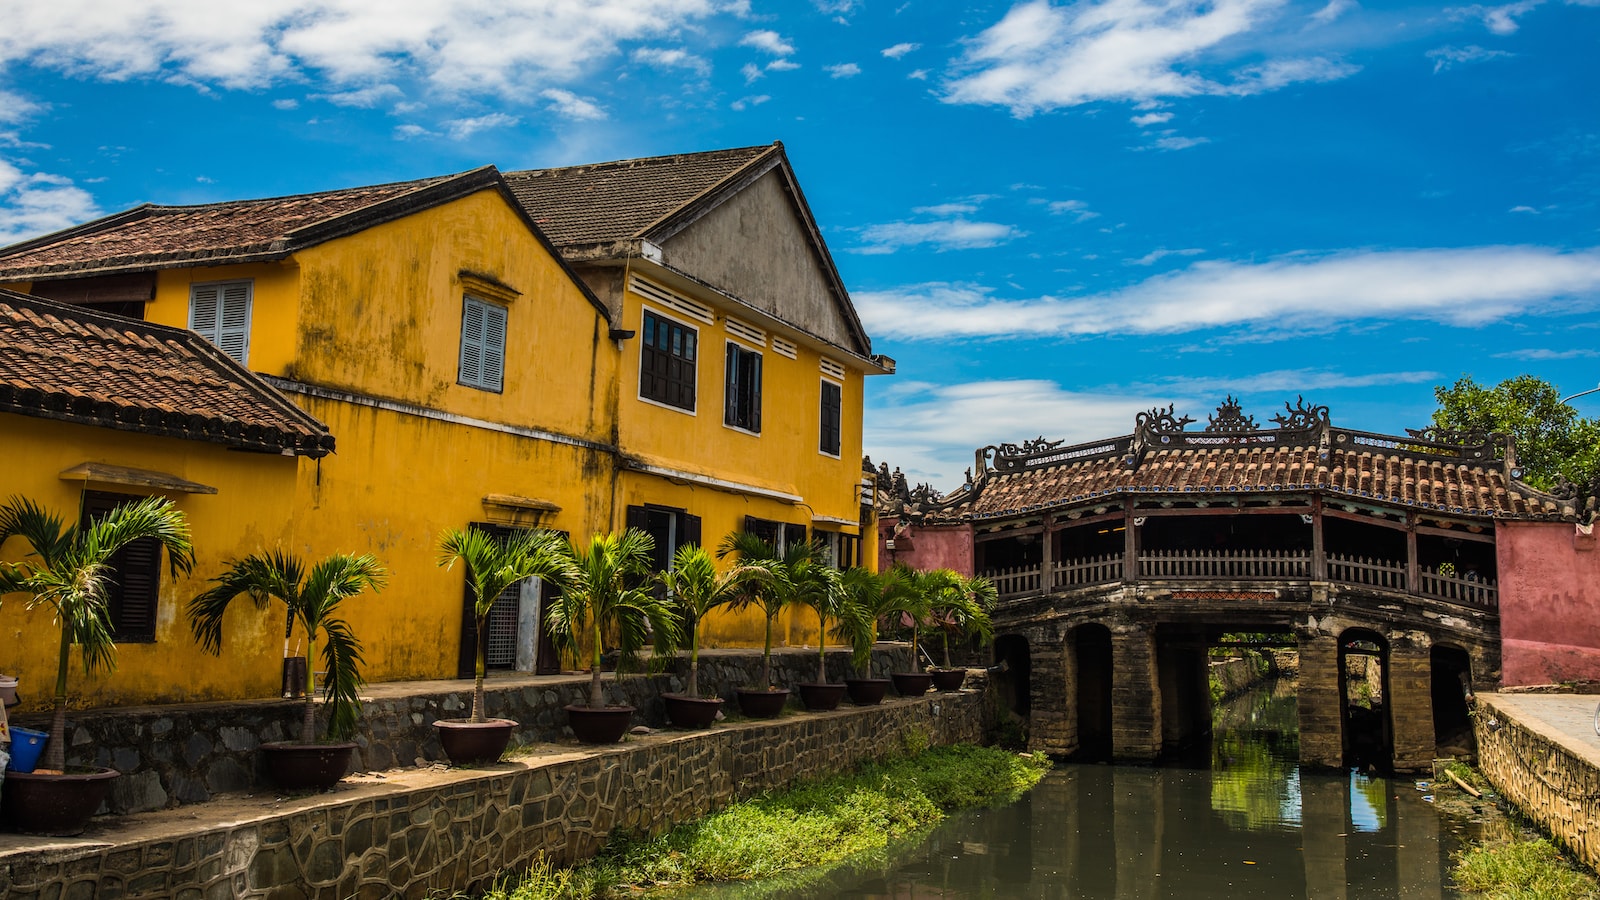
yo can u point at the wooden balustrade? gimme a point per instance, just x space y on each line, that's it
1226 564
1465 591
1014 582
1090 570
1363 570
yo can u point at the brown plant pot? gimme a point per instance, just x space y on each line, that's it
867 691
605 725
57 805
821 697
691 712
469 743
911 684
757 704
294 766
948 679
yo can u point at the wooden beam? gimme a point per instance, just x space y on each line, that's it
1413 579
1228 511
1319 551
1332 513
104 473
1461 534
1130 545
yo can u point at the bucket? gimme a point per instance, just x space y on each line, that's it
26 746
8 690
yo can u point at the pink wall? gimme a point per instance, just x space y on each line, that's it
926 546
1549 603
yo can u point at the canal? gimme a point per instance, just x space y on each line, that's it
1236 820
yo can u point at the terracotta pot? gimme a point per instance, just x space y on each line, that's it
911 684
762 704
821 697
948 679
470 743
294 766
605 725
691 712
867 691
58 805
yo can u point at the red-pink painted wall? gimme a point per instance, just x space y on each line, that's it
1549 603
926 546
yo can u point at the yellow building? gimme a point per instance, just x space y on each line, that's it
475 372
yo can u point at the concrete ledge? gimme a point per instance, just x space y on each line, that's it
407 833
1541 753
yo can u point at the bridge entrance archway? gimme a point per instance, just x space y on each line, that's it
1015 675
1092 659
1450 671
1366 716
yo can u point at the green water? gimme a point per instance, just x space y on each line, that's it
1243 823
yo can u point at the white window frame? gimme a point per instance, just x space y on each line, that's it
215 330
840 386
638 383
483 381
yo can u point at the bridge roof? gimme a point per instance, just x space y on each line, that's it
1469 474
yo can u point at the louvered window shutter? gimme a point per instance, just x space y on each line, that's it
730 393
220 313
472 330
494 347
483 345
135 584
203 303
753 385
689 530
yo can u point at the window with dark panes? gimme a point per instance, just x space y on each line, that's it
781 535
667 361
669 526
742 396
832 397
136 575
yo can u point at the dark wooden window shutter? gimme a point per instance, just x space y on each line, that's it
135 587
637 518
689 531
793 535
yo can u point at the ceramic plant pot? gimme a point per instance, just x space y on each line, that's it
605 725
469 743
294 766
911 684
867 691
757 704
58 805
691 712
821 697
948 679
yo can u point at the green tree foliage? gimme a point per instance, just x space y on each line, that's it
1552 441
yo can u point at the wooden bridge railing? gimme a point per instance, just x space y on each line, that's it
1284 565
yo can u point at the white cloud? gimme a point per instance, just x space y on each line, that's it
408 131
1179 143
950 234
1040 57
286 103
767 41
673 58
743 103
1156 255
1524 209
39 203
1498 19
843 70
1149 119
1445 57
782 65
1283 381
1545 354
899 50
15 107
568 104
946 209
751 72
918 75
362 98
1078 209
1469 286
461 129
455 46
1333 10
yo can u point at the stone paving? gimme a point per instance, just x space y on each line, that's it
1542 754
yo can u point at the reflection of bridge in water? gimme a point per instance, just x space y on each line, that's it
1120 562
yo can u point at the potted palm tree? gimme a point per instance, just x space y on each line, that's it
69 571
870 596
311 598
493 565
820 587
607 591
960 609
695 586
912 607
768 583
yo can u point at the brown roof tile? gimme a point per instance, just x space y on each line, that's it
620 200
64 362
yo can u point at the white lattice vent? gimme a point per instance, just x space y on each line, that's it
744 331
783 347
832 369
672 299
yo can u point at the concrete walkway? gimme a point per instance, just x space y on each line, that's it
1566 720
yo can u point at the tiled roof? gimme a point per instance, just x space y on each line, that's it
151 236
1392 479
616 201
77 365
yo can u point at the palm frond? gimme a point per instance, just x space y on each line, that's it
44 531
341 657
151 518
261 577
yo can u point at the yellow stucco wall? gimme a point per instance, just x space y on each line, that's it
252 507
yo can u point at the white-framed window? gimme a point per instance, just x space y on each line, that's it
220 312
483 345
668 357
830 427
742 389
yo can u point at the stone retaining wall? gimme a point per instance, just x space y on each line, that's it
395 840
1552 785
187 753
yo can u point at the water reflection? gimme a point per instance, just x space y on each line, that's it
1247 825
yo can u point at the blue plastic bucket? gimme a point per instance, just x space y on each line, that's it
25 749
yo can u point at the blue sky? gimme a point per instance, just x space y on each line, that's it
1052 214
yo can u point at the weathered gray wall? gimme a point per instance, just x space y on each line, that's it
393 840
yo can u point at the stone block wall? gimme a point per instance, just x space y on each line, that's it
396 840
188 753
1552 785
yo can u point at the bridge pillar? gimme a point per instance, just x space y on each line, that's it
1053 714
1184 673
1410 704
1321 707
1135 695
